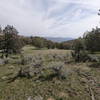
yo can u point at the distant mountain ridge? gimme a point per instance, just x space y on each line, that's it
59 39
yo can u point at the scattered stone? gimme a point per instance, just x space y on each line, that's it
4 77
38 98
63 95
30 98
11 67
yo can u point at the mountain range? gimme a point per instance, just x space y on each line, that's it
59 39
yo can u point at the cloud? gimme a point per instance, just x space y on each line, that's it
58 18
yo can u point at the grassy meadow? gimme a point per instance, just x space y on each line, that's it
81 81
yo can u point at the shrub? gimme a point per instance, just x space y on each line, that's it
24 72
35 61
12 43
94 58
54 69
95 65
82 56
79 54
57 57
58 68
31 65
47 74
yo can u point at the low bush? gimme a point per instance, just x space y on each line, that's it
82 56
59 69
94 58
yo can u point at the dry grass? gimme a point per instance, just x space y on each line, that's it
74 87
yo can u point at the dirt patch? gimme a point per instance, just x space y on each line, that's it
50 99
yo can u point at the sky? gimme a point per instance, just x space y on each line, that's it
50 18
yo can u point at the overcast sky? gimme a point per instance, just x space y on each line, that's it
55 18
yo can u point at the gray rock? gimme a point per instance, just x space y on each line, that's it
4 77
2 61
11 67
30 98
38 98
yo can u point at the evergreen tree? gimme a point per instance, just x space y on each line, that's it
12 42
92 40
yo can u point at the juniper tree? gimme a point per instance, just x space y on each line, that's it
11 41
92 40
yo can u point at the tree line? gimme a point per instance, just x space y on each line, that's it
11 42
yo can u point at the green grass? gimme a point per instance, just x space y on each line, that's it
75 87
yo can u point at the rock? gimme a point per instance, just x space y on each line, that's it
4 77
2 61
38 98
50 99
11 67
83 80
35 98
30 98
62 94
